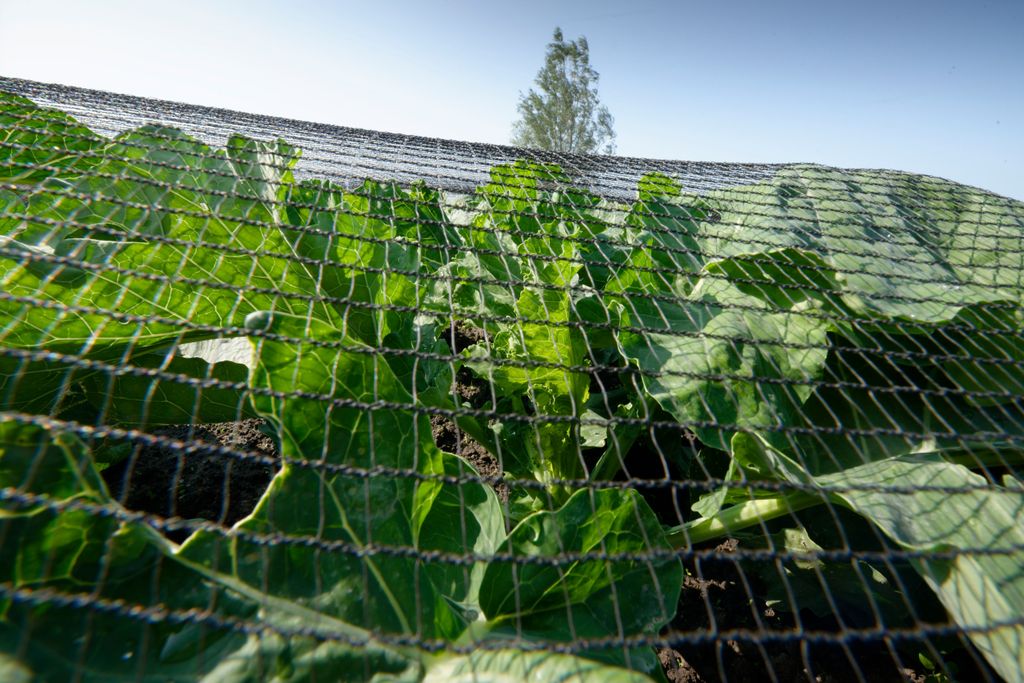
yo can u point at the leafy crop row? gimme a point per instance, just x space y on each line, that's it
849 340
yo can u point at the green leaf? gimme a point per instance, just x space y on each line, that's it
356 249
926 504
981 524
37 143
543 358
377 519
471 507
59 542
137 400
465 287
976 356
38 387
550 344
417 214
871 407
73 313
654 258
511 666
34 461
781 277
153 181
586 598
301 660
655 185
710 503
728 374
902 247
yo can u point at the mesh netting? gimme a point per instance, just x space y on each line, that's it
283 401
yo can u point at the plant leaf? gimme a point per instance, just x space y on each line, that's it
981 585
567 601
375 519
512 666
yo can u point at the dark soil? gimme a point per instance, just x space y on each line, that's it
718 595
451 439
461 335
165 481
475 392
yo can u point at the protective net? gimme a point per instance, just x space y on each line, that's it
290 402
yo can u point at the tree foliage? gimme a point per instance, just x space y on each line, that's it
563 113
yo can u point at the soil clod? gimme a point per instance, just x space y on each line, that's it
204 484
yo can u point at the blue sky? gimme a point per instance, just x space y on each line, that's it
924 86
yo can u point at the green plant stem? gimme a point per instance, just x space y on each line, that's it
740 517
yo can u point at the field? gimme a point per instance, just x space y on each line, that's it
767 430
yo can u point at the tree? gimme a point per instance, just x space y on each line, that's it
564 114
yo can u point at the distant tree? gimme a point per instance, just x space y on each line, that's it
564 114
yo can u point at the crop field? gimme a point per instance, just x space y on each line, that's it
772 430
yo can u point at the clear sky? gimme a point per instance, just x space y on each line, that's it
929 86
